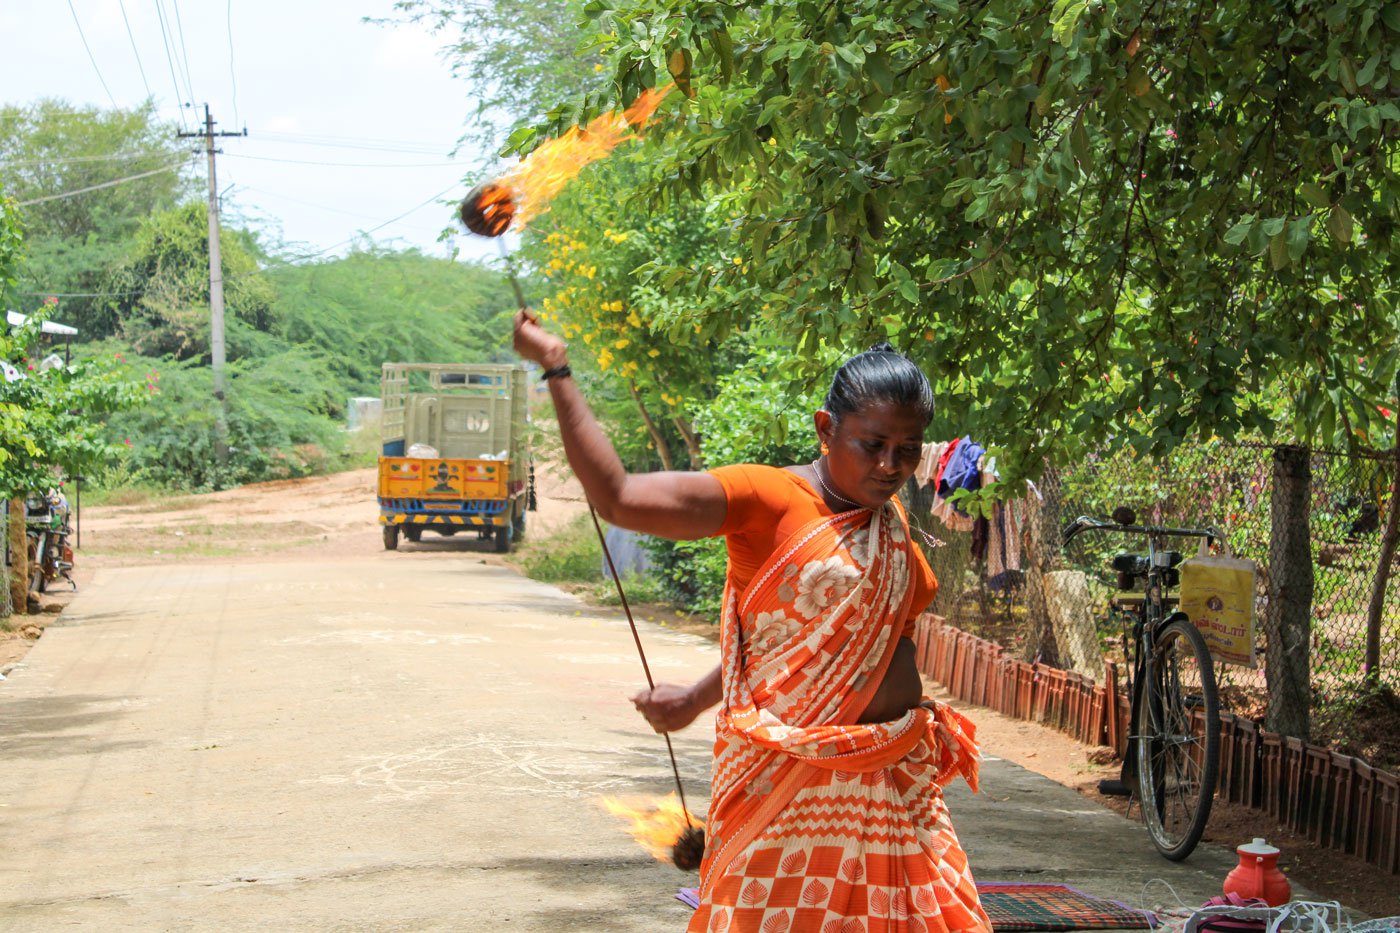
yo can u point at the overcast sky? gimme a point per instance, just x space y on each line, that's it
350 124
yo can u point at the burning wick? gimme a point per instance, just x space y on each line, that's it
488 210
524 192
663 829
689 850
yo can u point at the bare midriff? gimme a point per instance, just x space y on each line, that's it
900 691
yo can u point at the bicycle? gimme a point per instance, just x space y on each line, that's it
1175 718
47 529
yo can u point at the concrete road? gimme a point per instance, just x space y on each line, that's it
376 745
385 744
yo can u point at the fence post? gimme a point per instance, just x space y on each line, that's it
1372 665
1289 622
1043 519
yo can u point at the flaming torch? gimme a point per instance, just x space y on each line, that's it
524 192
664 828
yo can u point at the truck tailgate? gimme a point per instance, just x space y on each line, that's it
453 480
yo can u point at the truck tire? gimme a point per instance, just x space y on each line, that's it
413 533
391 537
503 536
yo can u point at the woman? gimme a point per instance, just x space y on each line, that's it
826 810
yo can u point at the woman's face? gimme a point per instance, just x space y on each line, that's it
873 450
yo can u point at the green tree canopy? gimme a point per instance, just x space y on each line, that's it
58 161
376 306
1127 221
514 54
160 289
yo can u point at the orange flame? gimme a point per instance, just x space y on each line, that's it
544 172
655 823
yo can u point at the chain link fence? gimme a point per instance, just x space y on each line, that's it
1314 523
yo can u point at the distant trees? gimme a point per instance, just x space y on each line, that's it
57 161
129 264
158 291
50 414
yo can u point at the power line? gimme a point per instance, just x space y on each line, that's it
228 21
89 55
365 233
165 39
105 184
184 50
435 147
239 155
81 294
111 157
132 38
364 145
323 207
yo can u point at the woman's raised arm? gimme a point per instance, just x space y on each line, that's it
678 505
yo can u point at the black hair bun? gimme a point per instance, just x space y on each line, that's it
883 346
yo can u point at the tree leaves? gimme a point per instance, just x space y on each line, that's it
1062 200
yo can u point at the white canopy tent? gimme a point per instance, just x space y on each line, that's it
15 319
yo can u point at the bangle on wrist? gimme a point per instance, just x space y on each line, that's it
556 372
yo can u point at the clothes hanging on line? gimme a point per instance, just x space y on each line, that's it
997 542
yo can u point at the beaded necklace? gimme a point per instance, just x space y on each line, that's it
929 539
816 468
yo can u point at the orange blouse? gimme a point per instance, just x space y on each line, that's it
767 505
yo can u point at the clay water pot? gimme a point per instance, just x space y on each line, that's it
1258 875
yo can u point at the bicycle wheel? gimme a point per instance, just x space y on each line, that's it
1178 740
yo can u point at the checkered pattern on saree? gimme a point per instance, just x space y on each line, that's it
818 823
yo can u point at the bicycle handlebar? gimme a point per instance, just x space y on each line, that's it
1085 523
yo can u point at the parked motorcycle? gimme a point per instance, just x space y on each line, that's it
47 526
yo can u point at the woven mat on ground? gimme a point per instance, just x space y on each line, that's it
1016 907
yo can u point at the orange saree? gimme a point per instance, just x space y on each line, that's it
818 823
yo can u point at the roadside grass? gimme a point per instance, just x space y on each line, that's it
572 559
139 497
571 555
641 589
362 446
135 494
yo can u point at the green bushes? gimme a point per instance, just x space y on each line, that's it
761 414
571 555
279 425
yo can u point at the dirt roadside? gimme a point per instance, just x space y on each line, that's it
335 516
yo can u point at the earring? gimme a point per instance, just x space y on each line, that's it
825 449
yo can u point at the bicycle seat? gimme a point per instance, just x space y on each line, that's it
1129 563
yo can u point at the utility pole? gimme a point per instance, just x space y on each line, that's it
216 290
